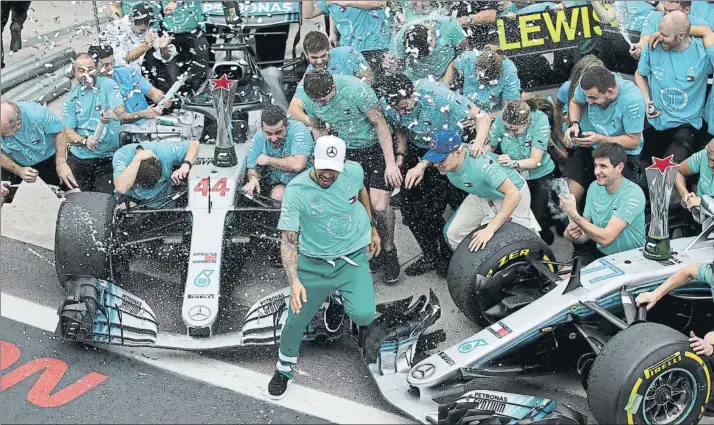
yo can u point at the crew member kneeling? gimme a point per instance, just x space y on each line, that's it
144 171
496 193
329 206
614 216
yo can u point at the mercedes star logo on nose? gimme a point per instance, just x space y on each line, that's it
199 313
423 371
332 151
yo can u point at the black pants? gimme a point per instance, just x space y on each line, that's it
423 207
680 141
192 56
587 252
541 194
46 170
19 15
92 175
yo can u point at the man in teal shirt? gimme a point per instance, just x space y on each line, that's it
496 194
426 48
419 112
673 81
328 207
701 163
279 151
95 99
651 23
348 108
614 217
30 139
362 25
145 171
615 109
343 60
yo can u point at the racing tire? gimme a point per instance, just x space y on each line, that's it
644 371
508 246
82 235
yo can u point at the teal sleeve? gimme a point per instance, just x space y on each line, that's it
495 134
455 32
704 274
356 172
173 153
358 61
301 143
397 47
69 113
695 161
323 7
364 96
511 84
633 115
643 66
541 131
494 175
589 199
290 210
114 96
710 53
633 205
579 95
49 121
256 148
122 158
563 92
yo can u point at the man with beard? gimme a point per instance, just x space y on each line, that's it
614 216
279 151
328 206
673 80
95 99
343 60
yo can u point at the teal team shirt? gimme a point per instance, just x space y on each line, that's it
704 274
628 204
298 141
488 95
437 108
481 176
634 13
186 17
344 60
703 10
678 83
362 29
133 87
82 110
537 135
699 163
651 23
624 115
171 155
34 142
332 222
449 36
347 112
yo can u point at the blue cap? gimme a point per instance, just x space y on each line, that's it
442 144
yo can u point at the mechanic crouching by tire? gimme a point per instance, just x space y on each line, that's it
33 145
496 194
612 110
94 99
417 112
614 216
330 208
144 171
522 133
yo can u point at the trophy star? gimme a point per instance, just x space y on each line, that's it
662 164
221 83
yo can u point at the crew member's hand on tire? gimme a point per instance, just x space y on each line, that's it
700 347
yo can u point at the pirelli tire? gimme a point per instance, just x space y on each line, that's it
510 245
647 374
84 226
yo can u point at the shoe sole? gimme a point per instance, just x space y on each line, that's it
279 397
393 280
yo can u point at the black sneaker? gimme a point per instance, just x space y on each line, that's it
420 266
375 264
390 264
278 385
15 37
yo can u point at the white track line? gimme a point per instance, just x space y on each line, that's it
217 373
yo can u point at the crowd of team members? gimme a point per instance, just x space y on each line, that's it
415 99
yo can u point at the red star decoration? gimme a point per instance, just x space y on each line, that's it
222 83
662 164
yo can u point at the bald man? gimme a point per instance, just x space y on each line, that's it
673 79
33 145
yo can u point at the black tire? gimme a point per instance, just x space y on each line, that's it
508 246
84 226
634 363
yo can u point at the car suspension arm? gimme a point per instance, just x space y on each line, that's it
605 314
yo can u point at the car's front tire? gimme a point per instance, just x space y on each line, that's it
647 374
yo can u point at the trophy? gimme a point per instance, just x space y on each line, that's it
660 180
223 91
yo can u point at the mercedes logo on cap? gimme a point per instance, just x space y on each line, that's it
423 371
331 152
199 313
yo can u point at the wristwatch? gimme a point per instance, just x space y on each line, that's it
188 163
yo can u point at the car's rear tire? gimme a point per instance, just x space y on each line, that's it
508 247
644 370
84 226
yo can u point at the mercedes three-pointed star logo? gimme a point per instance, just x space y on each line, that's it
423 371
199 313
331 151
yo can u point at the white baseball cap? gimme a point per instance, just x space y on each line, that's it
330 153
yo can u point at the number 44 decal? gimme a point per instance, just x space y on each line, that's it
221 186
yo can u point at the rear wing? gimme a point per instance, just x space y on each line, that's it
255 14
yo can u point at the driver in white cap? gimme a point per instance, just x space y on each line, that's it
329 206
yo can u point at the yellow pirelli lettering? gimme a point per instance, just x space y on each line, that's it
663 365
